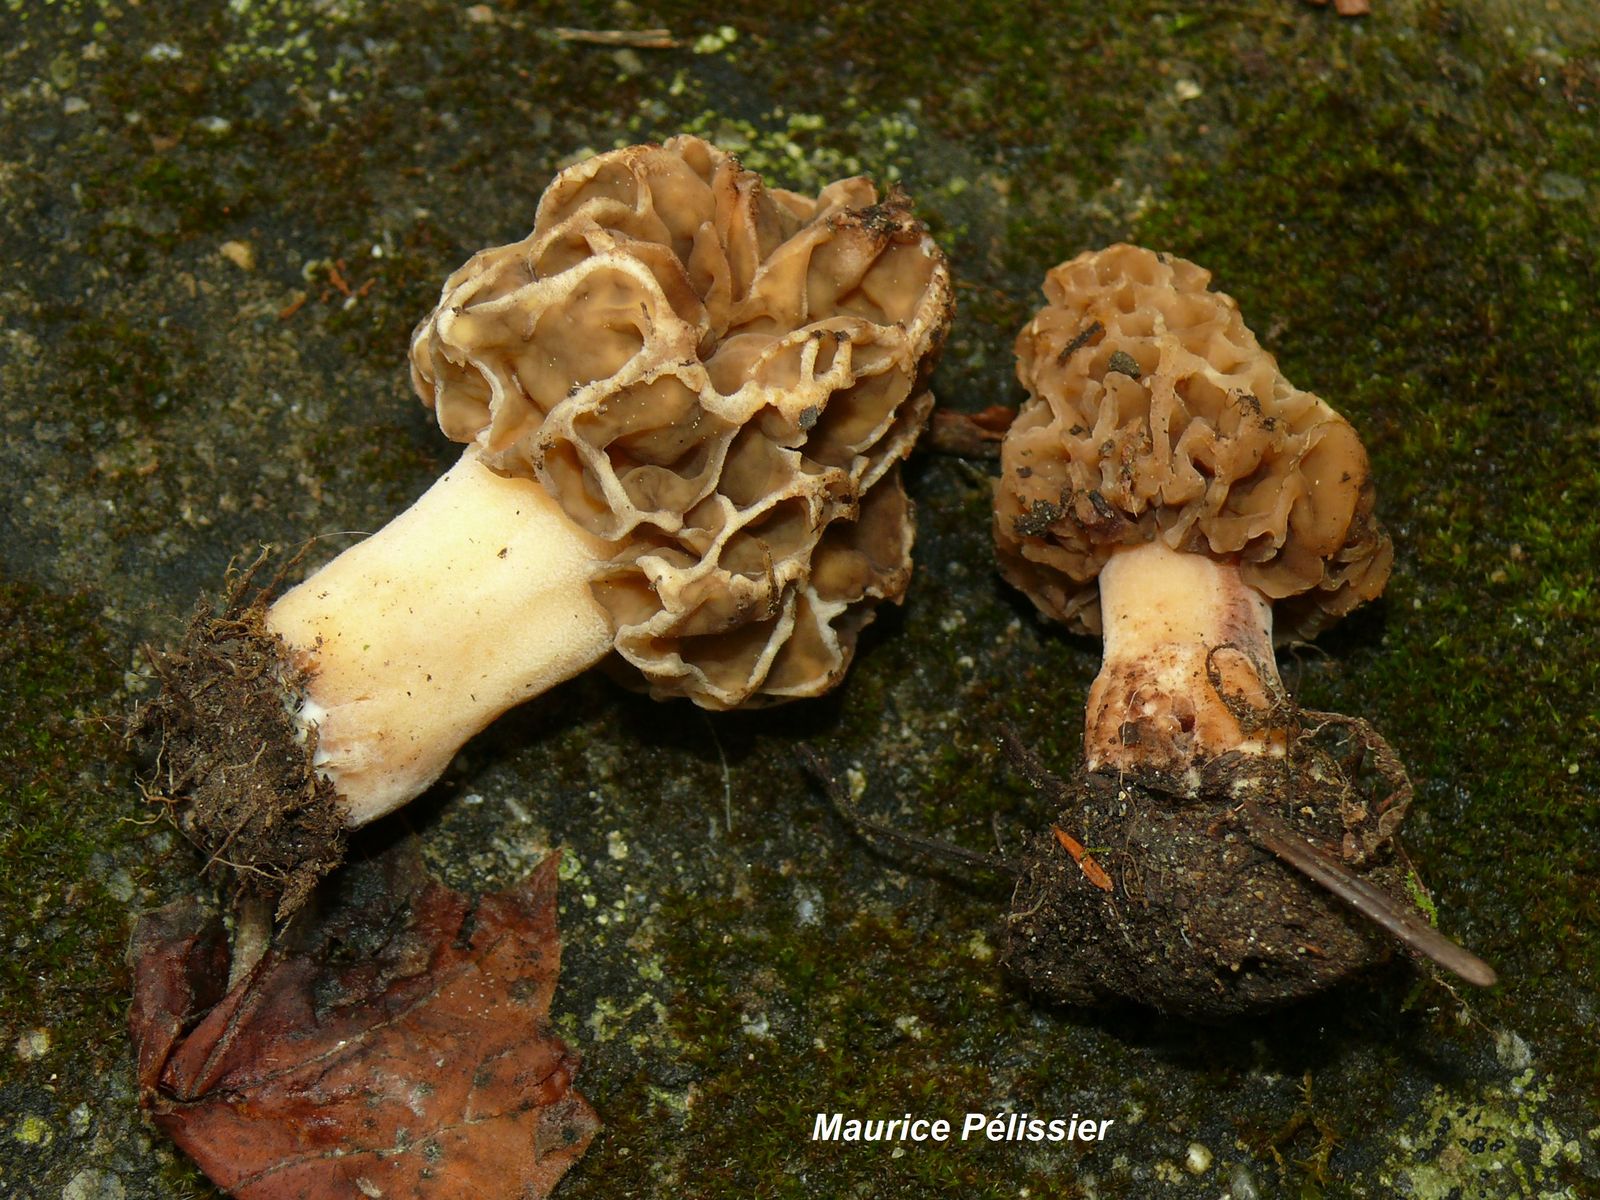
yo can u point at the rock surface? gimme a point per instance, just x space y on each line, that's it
218 225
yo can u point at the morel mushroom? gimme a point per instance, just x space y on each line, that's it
685 398
1166 487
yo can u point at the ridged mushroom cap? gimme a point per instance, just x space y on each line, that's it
1154 413
720 378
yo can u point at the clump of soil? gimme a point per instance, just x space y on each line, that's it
1182 907
228 759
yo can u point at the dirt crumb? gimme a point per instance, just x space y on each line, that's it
226 757
1200 921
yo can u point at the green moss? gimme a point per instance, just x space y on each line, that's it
782 1020
68 842
1403 206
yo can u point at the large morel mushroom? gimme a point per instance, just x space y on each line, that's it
685 398
1166 487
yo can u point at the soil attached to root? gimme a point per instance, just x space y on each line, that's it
1201 920
229 761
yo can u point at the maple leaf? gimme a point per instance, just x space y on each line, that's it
393 1043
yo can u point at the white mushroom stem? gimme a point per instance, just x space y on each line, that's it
1154 707
473 600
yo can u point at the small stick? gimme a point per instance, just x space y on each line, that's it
727 779
1373 903
840 796
336 277
252 934
1031 767
641 39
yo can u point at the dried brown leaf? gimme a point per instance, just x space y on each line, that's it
393 1043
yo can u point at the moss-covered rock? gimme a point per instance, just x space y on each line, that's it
1403 204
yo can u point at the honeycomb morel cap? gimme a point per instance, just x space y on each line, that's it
1165 486
721 379
1154 414
685 398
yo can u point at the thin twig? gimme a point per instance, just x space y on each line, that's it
1371 902
638 39
252 934
1031 767
839 794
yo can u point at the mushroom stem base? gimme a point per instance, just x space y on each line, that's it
1188 673
471 601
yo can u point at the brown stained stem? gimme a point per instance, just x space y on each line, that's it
1377 906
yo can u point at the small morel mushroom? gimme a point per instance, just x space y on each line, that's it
685 398
1165 486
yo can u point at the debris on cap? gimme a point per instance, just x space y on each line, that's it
1155 413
